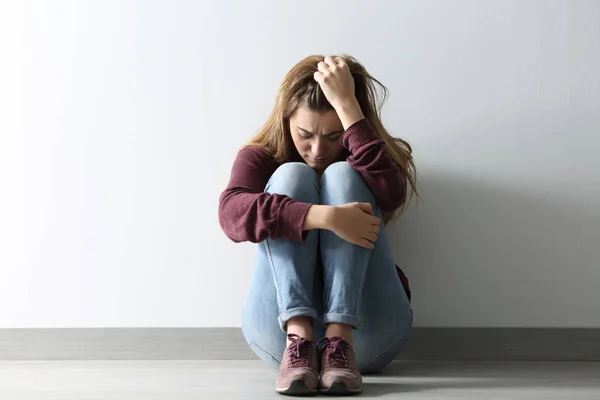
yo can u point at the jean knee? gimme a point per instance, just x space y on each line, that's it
295 173
295 179
341 183
341 170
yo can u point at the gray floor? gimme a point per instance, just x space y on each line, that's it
228 380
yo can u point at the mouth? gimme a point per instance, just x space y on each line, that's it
317 161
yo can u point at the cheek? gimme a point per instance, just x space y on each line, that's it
301 145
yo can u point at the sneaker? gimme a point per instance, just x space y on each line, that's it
339 375
299 369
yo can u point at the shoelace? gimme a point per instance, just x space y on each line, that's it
300 351
336 352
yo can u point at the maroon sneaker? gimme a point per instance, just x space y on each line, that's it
339 375
299 369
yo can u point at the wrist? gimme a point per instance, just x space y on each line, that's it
319 217
349 113
348 104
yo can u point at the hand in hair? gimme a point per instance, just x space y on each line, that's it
337 83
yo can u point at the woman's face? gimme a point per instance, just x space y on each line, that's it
316 136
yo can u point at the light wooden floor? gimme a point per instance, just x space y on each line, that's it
228 380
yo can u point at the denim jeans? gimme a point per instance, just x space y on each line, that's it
351 285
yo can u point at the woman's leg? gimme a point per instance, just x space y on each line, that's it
284 289
362 287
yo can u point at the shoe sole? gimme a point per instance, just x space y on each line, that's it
297 388
339 389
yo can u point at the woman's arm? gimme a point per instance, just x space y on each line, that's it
368 154
318 217
247 213
370 158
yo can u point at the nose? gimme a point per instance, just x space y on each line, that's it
318 148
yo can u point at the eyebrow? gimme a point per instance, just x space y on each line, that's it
327 134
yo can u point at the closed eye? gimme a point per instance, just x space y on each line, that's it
331 136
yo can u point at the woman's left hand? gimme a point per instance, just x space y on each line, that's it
337 84
336 81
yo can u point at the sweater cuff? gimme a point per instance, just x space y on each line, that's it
358 134
292 224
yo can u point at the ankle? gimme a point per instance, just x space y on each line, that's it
339 330
301 326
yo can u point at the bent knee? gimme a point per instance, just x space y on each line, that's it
297 180
341 169
295 171
341 176
342 184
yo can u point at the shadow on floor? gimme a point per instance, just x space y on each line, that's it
405 377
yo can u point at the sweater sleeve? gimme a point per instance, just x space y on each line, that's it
369 157
247 213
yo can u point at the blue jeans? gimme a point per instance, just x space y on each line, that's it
352 285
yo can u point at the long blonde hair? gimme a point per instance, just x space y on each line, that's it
299 87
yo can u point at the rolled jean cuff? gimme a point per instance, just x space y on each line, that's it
338 318
285 316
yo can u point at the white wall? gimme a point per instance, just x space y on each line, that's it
119 121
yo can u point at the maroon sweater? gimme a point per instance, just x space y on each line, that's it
247 213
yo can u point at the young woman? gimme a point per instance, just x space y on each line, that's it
314 189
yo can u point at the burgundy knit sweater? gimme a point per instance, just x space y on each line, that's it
247 213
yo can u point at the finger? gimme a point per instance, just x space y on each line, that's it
340 61
366 244
323 68
318 76
374 229
371 237
375 221
330 62
366 207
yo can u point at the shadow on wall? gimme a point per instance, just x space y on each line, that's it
478 255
